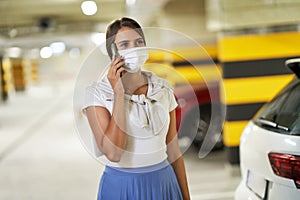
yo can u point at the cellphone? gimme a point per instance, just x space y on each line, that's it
114 50
115 53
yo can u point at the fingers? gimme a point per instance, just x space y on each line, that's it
114 74
119 71
116 64
117 61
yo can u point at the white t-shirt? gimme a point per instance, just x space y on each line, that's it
147 120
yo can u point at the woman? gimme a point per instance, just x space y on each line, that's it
132 115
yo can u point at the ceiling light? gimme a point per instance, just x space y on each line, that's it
14 52
57 47
130 2
13 33
74 53
46 52
89 7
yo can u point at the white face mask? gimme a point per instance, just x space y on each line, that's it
134 58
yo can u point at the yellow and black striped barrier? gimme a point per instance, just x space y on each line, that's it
188 62
6 78
19 74
253 72
34 71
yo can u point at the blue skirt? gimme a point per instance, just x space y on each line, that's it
156 182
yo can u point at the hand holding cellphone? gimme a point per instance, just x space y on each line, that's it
115 53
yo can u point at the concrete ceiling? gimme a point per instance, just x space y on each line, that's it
22 17
34 23
30 23
224 15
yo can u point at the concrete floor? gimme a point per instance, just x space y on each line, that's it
41 156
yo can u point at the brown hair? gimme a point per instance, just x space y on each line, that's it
115 26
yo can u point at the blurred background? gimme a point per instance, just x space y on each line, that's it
238 66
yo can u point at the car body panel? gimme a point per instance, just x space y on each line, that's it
274 129
254 157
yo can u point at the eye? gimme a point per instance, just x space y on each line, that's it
140 42
123 45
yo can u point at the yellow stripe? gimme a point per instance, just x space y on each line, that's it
165 71
253 47
184 54
185 74
200 74
254 89
195 53
159 56
232 132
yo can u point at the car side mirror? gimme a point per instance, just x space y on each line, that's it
294 66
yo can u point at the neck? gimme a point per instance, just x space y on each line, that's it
133 81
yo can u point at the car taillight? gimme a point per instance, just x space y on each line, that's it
287 166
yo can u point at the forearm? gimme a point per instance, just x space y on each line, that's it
175 157
116 130
179 170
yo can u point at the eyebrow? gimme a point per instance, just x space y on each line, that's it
122 41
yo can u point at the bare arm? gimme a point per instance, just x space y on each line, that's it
109 130
175 157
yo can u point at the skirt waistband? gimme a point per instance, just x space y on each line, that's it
130 171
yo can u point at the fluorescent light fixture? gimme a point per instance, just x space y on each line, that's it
130 2
13 33
58 47
14 52
89 7
74 53
46 52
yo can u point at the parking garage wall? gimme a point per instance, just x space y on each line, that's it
253 72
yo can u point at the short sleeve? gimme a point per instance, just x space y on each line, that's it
92 97
172 101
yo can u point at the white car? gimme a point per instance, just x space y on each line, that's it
270 147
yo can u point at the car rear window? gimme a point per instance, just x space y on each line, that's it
282 114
